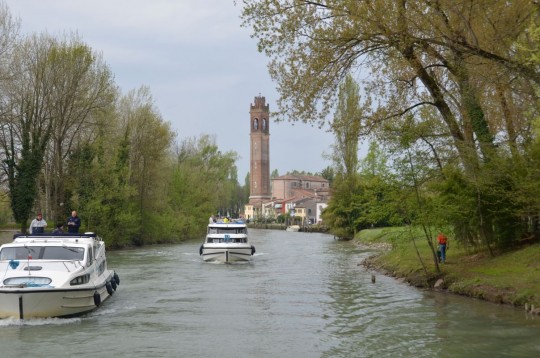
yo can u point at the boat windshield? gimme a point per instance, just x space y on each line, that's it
227 238
66 253
227 230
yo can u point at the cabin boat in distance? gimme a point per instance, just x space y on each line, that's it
54 275
293 228
227 242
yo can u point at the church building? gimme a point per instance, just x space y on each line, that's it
288 193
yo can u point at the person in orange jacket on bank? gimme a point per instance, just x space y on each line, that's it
443 245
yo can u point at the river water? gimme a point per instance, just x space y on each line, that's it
303 295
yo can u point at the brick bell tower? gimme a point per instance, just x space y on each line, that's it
259 153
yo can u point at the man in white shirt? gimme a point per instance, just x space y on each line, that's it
38 225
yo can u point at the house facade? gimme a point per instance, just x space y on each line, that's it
296 185
301 196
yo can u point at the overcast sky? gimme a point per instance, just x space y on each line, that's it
202 68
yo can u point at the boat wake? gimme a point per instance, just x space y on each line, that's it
103 312
11 322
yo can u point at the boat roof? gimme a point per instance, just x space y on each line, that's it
236 223
50 237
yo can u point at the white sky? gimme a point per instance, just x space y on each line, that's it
202 68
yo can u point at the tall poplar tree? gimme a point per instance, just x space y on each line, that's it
343 210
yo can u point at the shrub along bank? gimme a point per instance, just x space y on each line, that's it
511 277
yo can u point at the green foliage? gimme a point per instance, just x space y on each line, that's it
344 208
104 200
456 99
203 183
23 186
160 227
495 198
112 214
371 198
328 174
191 201
6 216
346 126
299 172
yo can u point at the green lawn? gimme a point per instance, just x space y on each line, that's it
510 277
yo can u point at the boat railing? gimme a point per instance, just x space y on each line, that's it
89 235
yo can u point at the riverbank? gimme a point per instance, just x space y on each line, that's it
281 226
511 277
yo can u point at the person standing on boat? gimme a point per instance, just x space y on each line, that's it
73 223
38 225
59 229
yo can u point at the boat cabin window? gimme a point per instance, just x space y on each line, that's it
90 255
20 253
216 240
227 230
43 253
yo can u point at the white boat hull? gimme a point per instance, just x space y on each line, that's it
226 253
26 303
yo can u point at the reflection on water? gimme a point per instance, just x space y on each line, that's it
303 295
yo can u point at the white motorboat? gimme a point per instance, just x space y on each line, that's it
293 228
54 275
227 242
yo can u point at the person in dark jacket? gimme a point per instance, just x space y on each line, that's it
59 229
73 223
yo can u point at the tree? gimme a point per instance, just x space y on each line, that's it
346 127
454 65
203 182
84 92
343 208
246 188
150 139
328 173
27 121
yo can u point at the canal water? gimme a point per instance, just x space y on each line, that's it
303 295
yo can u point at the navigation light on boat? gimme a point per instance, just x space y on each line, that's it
81 280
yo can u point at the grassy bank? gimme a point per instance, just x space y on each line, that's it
511 277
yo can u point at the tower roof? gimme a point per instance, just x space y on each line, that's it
260 103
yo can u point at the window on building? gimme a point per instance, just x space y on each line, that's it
255 124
